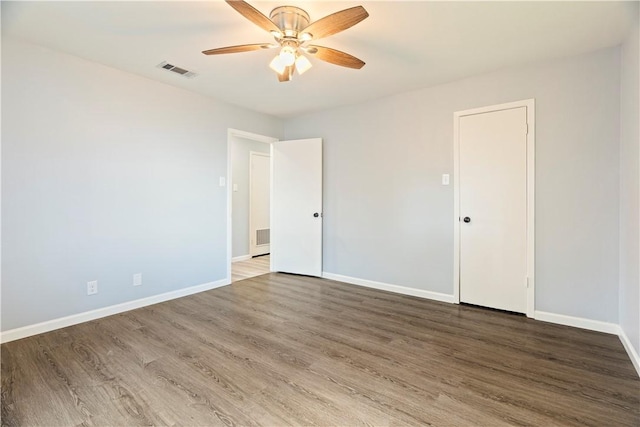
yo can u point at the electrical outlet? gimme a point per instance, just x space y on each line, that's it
92 287
137 279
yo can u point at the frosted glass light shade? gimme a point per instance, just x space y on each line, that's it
302 64
287 56
277 65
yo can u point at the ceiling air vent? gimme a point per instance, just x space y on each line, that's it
170 67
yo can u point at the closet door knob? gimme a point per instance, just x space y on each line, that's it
467 219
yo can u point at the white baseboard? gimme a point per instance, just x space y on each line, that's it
633 354
593 325
63 322
388 287
577 322
240 258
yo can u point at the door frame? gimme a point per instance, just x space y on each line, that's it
530 279
231 134
261 154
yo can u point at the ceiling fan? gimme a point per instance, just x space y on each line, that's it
291 28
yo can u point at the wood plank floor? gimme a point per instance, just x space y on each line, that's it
287 350
250 268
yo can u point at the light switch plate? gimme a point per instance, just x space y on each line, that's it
445 179
223 181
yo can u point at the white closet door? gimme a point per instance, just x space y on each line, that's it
493 209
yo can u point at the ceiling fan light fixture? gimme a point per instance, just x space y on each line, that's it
287 56
277 65
292 29
302 64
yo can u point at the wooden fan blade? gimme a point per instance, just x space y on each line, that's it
237 49
286 74
253 15
336 22
336 57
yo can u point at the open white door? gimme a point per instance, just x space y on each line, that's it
296 207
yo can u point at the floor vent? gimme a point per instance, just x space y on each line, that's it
170 67
263 236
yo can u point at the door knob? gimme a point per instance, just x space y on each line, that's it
467 219
316 215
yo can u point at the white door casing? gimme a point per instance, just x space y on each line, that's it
494 178
296 206
259 197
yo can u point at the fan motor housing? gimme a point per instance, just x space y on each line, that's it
290 19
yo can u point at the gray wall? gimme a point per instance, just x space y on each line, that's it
106 174
630 191
240 170
388 218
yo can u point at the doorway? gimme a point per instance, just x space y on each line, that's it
295 205
247 190
494 206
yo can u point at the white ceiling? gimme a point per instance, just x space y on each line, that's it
406 45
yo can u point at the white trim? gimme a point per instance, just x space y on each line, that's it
235 133
456 208
531 206
498 107
251 136
74 319
240 258
530 106
388 287
577 322
271 247
593 325
633 354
